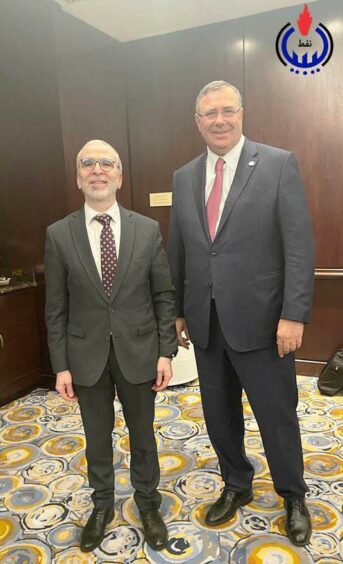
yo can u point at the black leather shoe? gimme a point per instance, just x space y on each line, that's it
298 522
94 530
154 529
226 506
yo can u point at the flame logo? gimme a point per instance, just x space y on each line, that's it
303 57
304 21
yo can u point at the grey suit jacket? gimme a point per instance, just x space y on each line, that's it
81 320
260 265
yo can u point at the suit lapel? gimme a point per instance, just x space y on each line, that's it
246 166
199 181
81 241
127 232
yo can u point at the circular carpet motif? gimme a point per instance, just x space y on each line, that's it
30 551
64 536
45 517
179 430
314 442
122 544
187 543
316 424
123 487
268 548
80 501
62 409
165 413
44 470
65 424
174 464
323 466
254 442
10 528
265 499
20 433
8 483
199 484
193 413
20 414
27 497
66 445
189 399
199 446
16 457
66 484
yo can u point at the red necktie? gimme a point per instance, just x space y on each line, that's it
108 253
212 206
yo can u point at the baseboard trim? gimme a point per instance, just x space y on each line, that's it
306 367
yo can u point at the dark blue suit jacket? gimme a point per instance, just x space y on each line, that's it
260 266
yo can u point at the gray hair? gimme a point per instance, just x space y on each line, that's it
99 142
217 85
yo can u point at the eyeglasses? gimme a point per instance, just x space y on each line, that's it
89 164
227 113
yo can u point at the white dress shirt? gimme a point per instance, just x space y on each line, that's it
94 229
231 162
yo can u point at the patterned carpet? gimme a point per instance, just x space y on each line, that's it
45 499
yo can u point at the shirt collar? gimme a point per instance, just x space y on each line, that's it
113 211
231 157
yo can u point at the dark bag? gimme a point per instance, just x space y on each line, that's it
330 381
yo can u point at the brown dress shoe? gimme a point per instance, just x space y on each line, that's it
154 529
298 522
94 530
226 506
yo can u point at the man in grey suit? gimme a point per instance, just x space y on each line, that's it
110 315
242 259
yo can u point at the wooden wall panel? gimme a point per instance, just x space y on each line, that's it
324 335
91 96
302 114
164 75
32 190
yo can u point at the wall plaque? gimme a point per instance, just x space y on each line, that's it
159 199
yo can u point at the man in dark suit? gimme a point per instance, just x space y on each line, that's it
242 260
111 329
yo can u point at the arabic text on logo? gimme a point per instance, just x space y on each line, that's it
307 51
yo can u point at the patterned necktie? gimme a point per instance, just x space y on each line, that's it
108 253
213 202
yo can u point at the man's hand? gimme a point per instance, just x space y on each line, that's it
164 374
289 336
64 386
181 327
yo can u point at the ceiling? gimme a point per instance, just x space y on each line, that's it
126 20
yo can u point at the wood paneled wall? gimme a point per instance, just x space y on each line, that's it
32 190
91 95
303 114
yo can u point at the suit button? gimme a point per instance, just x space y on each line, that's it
213 254
111 311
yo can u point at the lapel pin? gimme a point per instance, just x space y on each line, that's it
251 163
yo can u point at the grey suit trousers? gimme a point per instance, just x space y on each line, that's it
97 412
